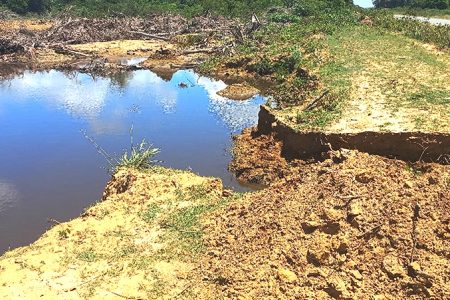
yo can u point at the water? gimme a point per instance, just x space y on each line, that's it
48 169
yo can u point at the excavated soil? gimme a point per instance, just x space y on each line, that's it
355 226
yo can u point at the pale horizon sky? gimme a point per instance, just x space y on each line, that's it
363 3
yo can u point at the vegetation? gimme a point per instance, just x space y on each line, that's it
438 35
140 7
139 157
436 4
428 13
316 52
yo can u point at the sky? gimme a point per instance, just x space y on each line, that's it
363 3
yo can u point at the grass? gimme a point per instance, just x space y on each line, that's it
428 33
184 222
139 157
334 53
428 13
150 214
429 96
88 256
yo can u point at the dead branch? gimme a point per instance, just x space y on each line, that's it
64 50
313 104
415 219
207 50
187 66
153 36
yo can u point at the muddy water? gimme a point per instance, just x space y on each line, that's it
49 170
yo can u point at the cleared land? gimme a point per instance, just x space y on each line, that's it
349 225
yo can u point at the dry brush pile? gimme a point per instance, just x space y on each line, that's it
67 30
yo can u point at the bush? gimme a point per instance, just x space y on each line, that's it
438 35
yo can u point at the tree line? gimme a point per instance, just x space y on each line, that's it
436 4
188 7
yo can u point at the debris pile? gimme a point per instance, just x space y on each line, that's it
355 226
7 14
69 30
8 46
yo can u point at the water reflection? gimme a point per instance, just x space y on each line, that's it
8 195
84 96
46 160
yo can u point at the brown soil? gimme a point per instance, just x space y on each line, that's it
355 226
238 92
257 158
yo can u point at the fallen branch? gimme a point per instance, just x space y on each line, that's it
186 66
153 36
64 50
415 219
208 50
313 104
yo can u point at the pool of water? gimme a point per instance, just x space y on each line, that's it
49 170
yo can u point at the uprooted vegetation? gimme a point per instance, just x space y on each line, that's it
60 41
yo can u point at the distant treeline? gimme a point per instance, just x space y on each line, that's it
187 7
437 4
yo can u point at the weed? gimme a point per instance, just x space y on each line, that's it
63 234
419 121
126 251
414 170
427 95
138 157
151 212
317 118
87 256
184 222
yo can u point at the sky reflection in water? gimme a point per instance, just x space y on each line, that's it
49 170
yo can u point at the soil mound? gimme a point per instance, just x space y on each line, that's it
238 92
355 226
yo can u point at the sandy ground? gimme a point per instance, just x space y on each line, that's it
376 102
119 248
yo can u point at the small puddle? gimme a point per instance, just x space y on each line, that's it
48 169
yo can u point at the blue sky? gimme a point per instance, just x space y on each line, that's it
363 3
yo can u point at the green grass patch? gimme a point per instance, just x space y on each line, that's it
88 256
428 33
420 12
430 96
150 214
185 222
